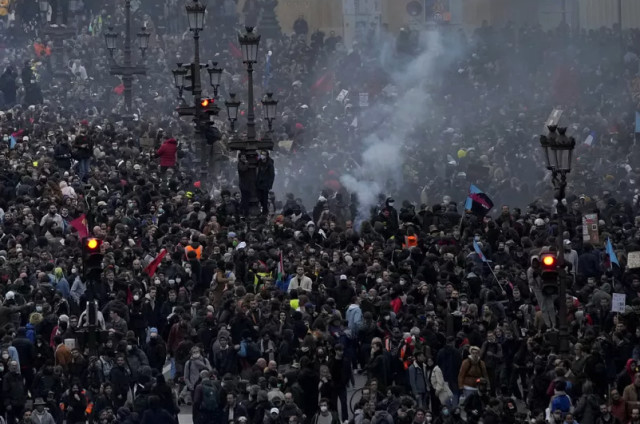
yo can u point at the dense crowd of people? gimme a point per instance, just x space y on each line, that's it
325 309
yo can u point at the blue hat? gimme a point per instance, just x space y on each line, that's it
153 330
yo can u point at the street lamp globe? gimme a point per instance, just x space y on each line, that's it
249 43
232 107
270 106
195 15
110 38
215 76
143 38
178 76
558 149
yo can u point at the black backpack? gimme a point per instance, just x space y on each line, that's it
210 396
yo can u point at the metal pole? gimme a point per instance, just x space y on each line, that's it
564 12
197 98
620 25
563 328
251 117
127 79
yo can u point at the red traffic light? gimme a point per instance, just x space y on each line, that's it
207 102
549 260
92 244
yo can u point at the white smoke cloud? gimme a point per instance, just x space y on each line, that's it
383 157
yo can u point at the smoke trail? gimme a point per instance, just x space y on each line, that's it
383 157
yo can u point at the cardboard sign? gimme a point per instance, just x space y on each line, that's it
633 260
590 228
343 95
618 302
553 119
285 144
364 99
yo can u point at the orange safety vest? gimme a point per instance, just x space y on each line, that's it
189 248
410 241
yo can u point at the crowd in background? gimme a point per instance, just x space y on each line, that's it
326 308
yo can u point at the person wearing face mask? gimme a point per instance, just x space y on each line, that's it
192 368
324 415
137 319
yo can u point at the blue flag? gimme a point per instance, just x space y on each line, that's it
638 122
612 255
478 203
476 247
12 142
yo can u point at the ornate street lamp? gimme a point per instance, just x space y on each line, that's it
195 15
127 70
143 39
249 43
215 77
232 106
558 154
110 39
270 107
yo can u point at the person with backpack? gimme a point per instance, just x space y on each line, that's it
192 369
206 400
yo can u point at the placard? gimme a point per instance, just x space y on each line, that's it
364 99
590 228
553 119
343 95
633 260
618 302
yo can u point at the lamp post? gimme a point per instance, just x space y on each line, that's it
558 153
202 109
127 70
247 148
57 31
270 107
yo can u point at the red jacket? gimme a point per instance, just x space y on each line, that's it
167 152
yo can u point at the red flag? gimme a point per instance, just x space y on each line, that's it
197 184
235 51
153 266
119 89
323 85
81 226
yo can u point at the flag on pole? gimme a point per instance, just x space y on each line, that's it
81 226
280 270
613 259
476 247
478 203
324 84
235 51
266 78
591 139
154 264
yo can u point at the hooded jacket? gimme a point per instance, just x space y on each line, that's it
167 152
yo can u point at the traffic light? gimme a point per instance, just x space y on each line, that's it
549 274
209 108
92 258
